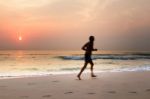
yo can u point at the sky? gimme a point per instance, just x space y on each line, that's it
67 24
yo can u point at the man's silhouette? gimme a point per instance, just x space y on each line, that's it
88 47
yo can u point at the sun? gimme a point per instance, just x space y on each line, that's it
20 38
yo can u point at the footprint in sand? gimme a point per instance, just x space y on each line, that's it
91 93
55 81
68 92
31 83
3 86
112 92
47 96
148 90
133 92
24 96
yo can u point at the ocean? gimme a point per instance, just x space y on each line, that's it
25 63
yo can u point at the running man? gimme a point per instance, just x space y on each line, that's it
88 48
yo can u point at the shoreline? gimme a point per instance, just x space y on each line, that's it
65 73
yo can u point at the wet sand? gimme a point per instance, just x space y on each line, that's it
119 85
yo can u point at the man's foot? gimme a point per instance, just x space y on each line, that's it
79 77
93 75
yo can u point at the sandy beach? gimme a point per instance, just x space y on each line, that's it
119 85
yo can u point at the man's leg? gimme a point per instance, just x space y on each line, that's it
92 73
82 69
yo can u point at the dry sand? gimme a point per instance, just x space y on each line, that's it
121 85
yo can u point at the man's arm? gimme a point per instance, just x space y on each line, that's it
95 49
84 46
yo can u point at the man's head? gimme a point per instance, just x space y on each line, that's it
91 38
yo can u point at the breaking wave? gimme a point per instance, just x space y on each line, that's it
108 56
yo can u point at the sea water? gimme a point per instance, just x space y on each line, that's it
22 63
